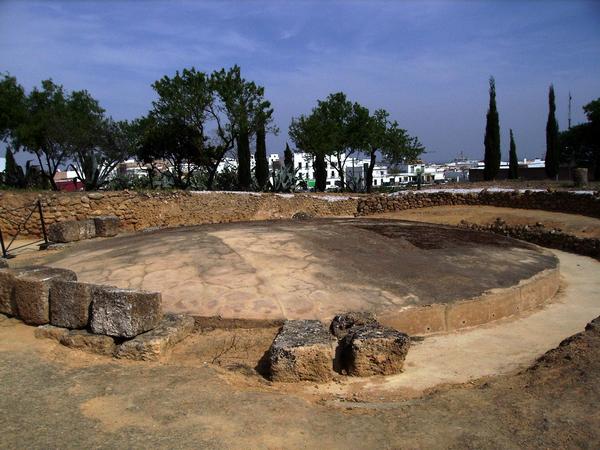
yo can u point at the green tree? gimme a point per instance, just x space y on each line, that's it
394 143
310 135
492 137
513 164
12 106
261 167
288 158
552 150
246 109
580 144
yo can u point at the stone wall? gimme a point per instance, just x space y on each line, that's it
559 201
140 210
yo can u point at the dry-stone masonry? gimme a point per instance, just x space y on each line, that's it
303 350
31 293
124 312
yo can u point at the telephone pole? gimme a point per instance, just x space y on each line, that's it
570 99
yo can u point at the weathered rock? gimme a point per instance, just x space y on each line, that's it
7 288
124 312
150 346
31 292
107 226
87 229
303 350
96 196
373 350
66 231
302 215
70 303
3 263
84 340
50 332
342 323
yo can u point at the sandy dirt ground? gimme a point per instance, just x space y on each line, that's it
206 394
452 215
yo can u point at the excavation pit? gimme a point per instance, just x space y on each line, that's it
419 278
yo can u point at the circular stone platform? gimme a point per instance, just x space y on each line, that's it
419 278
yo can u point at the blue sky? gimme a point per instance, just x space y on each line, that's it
427 63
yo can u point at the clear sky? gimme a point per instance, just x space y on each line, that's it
427 63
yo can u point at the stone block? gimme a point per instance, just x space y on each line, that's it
124 312
86 341
107 226
50 332
150 346
342 323
66 231
87 229
302 350
32 291
70 303
373 350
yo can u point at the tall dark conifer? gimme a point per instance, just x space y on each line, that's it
13 173
492 137
513 164
243 151
552 155
261 168
288 158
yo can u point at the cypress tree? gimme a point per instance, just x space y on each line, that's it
552 155
13 173
288 158
513 165
320 169
492 137
261 168
243 150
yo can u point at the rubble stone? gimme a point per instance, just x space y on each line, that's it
303 350
107 226
3 263
150 346
84 340
124 312
343 323
70 303
373 350
31 293
66 231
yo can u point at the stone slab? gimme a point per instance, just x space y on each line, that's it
302 351
86 341
70 303
107 226
373 350
154 344
124 312
66 231
50 332
31 293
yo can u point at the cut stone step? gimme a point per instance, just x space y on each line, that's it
302 350
31 292
124 312
373 350
70 303
107 226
